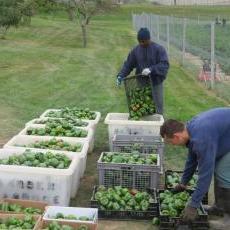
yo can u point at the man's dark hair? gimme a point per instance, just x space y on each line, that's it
170 127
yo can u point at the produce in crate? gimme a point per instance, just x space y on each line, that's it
55 144
172 204
72 121
172 179
15 223
133 158
56 226
141 103
54 129
122 199
7 207
38 159
70 217
74 113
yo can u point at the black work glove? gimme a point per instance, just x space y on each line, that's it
179 188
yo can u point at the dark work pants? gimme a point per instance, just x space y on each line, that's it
222 183
158 98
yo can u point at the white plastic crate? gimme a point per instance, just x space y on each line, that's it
118 123
35 183
52 211
82 155
33 122
89 137
94 122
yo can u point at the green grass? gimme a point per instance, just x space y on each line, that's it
44 66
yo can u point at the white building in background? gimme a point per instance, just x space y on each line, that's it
192 2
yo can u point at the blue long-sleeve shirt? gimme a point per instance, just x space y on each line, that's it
209 140
153 57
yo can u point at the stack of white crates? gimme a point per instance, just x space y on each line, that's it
143 135
52 185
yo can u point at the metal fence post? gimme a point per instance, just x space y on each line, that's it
212 54
168 38
158 28
184 41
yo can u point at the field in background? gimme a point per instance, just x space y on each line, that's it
44 66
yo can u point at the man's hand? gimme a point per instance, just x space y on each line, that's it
179 188
146 72
119 80
189 214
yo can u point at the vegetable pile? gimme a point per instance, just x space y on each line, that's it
74 122
127 158
73 113
122 199
32 159
54 129
14 223
173 204
55 144
7 207
56 226
174 178
141 103
70 217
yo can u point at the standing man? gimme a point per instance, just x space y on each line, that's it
207 137
148 58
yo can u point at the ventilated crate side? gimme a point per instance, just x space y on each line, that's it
136 176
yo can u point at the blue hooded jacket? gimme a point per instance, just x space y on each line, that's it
209 140
153 57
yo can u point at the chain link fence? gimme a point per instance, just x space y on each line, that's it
201 47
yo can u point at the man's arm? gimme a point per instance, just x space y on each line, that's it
206 153
128 65
161 68
190 168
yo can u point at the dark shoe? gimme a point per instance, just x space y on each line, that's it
213 210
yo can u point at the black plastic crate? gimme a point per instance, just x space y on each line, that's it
167 222
153 210
126 175
170 172
139 93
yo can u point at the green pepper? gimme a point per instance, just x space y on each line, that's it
104 201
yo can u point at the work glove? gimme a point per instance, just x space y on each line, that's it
179 188
146 72
189 214
119 80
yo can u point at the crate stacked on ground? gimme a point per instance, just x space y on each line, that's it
132 170
35 175
73 217
139 93
142 144
29 207
121 203
119 124
171 206
172 178
19 221
86 115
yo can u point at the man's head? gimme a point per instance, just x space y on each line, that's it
143 37
174 132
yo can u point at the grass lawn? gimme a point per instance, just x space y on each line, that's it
44 66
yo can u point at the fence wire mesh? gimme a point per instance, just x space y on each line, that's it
200 46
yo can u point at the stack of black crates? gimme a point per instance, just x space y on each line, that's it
130 136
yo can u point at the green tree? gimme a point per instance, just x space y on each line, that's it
84 10
27 10
10 15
